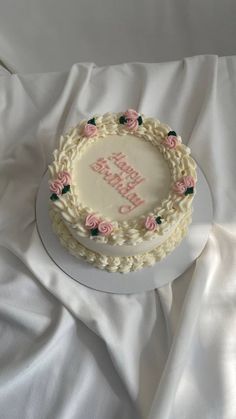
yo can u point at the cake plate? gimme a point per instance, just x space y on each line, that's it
146 279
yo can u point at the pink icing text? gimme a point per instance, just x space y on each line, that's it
124 182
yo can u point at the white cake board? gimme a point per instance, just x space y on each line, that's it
134 282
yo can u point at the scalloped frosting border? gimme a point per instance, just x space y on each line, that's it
134 231
122 264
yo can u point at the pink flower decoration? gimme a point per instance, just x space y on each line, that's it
188 181
131 114
183 184
105 228
170 141
64 178
90 130
91 221
131 120
179 187
56 186
131 124
150 223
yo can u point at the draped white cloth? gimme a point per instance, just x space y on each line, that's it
67 351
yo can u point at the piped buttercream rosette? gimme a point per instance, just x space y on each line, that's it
60 185
172 140
98 226
184 186
131 120
152 222
90 128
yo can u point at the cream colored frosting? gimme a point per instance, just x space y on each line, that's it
125 249
152 172
146 158
122 264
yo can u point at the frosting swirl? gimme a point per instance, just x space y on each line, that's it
64 177
170 141
131 124
150 223
181 186
188 181
90 130
131 114
56 186
105 228
91 221
131 120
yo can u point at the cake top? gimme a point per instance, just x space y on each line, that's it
122 178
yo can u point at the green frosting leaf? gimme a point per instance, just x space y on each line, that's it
122 120
189 191
65 189
92 121
172 133
158 220
140 120
54 197
94 232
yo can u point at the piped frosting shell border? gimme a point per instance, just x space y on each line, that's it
131 232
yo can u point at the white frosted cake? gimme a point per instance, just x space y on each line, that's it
122 187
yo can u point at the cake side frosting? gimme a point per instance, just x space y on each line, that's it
124 249
122 264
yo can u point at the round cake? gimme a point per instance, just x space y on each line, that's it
121 190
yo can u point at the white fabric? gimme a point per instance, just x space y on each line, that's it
42 35
69 352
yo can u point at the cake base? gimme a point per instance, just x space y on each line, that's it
146 279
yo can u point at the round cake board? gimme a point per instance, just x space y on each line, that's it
146 279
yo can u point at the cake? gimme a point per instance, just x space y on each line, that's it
121 190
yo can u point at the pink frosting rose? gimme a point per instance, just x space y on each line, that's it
90 130
131 124
179 187
131 114
91 221
170 141
105 228
56 186
150 223
64 177
188 181
131 117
